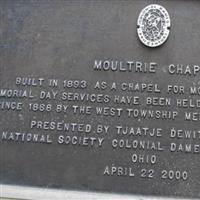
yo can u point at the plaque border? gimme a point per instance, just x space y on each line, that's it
35 193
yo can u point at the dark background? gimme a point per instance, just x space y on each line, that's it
61 39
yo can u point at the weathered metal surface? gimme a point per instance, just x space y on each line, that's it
85 105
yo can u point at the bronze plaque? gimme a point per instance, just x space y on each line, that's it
85 105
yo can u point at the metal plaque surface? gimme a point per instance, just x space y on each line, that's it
84 105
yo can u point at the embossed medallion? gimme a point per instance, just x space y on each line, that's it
153 25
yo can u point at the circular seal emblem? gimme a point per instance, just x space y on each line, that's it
153 25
